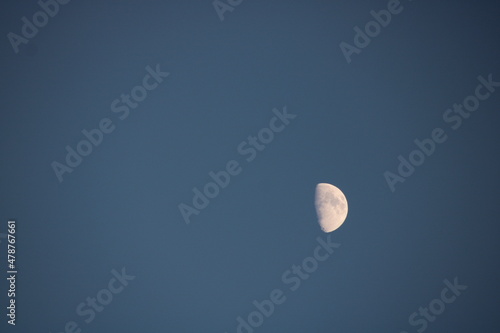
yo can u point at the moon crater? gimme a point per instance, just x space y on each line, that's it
331 207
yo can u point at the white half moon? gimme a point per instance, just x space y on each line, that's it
331 207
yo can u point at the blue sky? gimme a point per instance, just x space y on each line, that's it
119 207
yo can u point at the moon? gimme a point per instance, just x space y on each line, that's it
331 207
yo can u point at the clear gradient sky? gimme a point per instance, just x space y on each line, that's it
119 207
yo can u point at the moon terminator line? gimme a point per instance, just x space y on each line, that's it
331 206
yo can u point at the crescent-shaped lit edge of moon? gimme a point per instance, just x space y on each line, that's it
331 207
